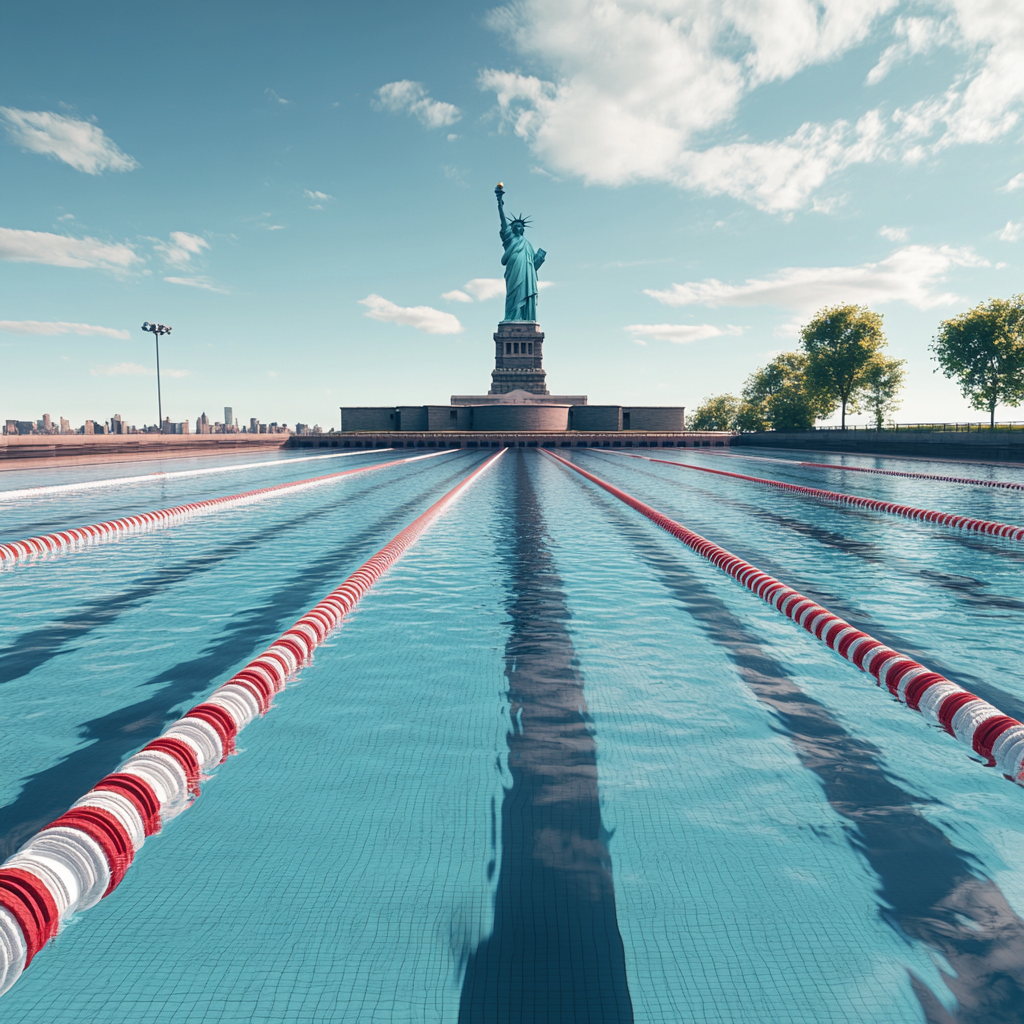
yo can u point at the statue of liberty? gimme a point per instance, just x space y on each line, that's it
521 264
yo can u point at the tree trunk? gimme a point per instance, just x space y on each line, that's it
843 421
992 416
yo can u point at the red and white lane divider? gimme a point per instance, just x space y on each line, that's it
69 540
997 738
145 478
1006 484
1005 530
81 857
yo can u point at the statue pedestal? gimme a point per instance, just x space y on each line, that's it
518 358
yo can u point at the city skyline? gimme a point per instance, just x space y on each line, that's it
308 199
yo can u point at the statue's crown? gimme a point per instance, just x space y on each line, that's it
521 219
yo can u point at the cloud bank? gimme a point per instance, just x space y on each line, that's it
423 318
197 282
681 334
51 327
910 274
64 251
634 87
77 143
413 99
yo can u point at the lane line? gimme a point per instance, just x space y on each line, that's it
73 862
997 738
72 540
884 472
957 522
88 485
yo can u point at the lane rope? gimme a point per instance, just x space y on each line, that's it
71 540
957 522
72 863
996 738
88 485
883 472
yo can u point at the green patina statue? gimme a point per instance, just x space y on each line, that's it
521 263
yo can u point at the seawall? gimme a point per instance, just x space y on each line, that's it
987 445
33 451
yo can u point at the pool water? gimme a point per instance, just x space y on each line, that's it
554 767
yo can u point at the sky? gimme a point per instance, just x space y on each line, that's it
304 193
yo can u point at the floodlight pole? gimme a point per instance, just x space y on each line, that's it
156 330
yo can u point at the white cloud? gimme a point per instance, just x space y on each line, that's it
135 370
274 98
50 327
78 143
181 248
918 36
64 251
480 288
1013 232
423 318
635 83
197 282
893 234
415 101
319 198
983 103
630 89
681 334
1016 182
483 288
910 274
781 176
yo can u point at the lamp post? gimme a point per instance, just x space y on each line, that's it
156 330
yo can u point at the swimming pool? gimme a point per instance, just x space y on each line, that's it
554 766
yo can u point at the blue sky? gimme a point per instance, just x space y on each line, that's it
304 191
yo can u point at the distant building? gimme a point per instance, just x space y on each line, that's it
518 400
229 417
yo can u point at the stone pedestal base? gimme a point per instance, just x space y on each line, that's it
518 358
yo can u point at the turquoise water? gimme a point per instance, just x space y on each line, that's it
554 767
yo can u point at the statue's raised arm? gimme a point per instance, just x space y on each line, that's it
521 263
500 193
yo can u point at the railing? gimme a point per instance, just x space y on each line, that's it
957 428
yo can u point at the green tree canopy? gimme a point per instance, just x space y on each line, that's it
718 412
881 383
840 342
984 350
778 396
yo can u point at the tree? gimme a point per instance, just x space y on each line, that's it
715 413
778 395
750 418
882 381
984 349
840 341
